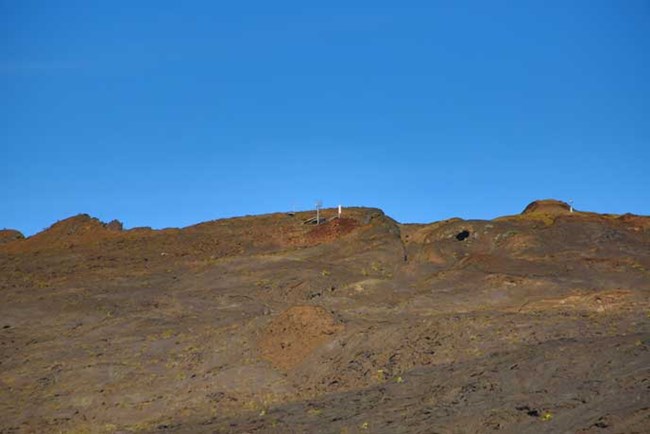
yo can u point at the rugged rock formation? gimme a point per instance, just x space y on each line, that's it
7 235
530 323
549 206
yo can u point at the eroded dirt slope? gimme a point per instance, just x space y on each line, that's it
538 322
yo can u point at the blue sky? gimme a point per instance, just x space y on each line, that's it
169 113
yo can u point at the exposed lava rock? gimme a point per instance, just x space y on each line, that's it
295 333
8 235
333 229
114 225
548 206
531 323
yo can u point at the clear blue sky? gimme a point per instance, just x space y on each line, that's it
168 113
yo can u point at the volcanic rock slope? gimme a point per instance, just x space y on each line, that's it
533 323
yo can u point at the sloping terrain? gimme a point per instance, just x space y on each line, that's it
538 322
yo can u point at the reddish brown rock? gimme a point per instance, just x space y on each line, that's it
548 206
8 235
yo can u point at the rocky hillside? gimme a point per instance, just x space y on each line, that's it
538 322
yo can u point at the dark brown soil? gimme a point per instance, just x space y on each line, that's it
538 322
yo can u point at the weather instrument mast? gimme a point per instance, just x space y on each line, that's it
319 204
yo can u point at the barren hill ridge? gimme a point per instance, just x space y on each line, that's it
536 322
